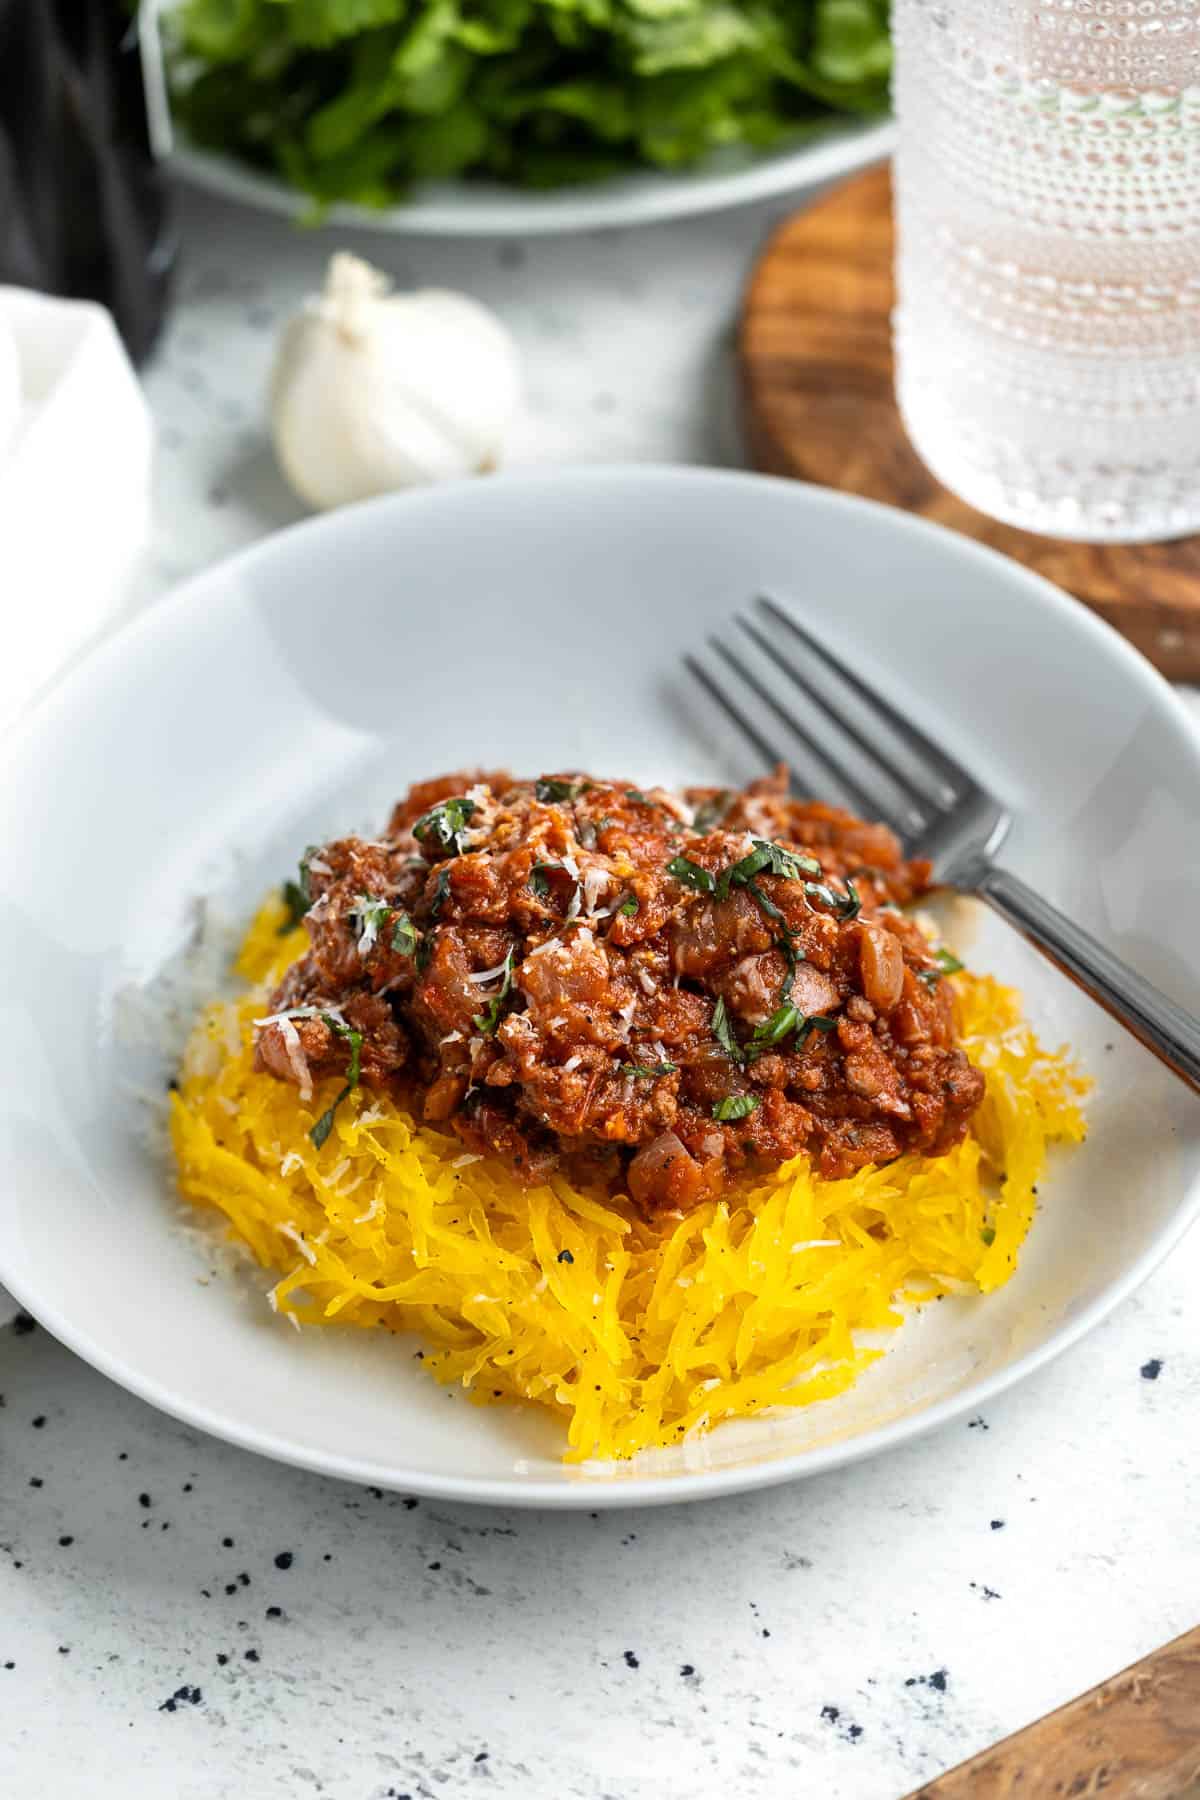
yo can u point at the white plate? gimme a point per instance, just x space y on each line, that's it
537 621
487 209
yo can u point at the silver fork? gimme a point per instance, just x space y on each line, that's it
937 809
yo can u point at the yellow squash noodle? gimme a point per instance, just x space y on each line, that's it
635 1333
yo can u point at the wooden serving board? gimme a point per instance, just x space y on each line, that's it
815 358
1136 1737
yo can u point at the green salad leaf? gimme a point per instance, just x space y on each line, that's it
355 100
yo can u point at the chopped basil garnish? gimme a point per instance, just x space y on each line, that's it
443 824
722 1030
440 890
777 1027
988 1234
648 1069
766 858
370 915
489 1018
638 798
691 874
629 907
404 935
768 905
297 895
786 863
846 906
814 1022
537 879
711 812
947 964
297 903
792 954
324 1124
735 1106
553 792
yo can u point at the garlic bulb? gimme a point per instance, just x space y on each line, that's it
10 386
373 391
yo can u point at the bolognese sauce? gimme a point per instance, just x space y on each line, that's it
657 991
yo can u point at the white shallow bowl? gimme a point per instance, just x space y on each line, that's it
536 621
488 209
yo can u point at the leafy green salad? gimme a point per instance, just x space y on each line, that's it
358 99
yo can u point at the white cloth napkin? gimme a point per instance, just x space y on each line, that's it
75 454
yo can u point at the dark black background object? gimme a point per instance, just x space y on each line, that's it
83 205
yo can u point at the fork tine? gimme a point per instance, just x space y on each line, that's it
867 804
903 784
769 752
956 778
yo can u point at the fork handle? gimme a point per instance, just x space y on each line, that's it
1161 1024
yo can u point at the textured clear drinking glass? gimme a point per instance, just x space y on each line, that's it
1047 325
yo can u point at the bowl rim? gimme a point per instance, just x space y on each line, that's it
589 1491
642 197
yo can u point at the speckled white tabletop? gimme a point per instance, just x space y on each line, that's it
181 1619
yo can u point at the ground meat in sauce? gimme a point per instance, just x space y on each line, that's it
651 990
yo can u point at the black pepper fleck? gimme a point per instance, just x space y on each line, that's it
631 1660
222 1659
434 1566
687 1670
410 1503
143 1500
252 1656
65 1542
564 1256
284 1560
274 1612
36 1481
39 1421
22 1325
1153 1369
227 1543
832 1713
183 1696
937 1680
997 1524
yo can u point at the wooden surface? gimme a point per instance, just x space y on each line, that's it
816 376
1136 1737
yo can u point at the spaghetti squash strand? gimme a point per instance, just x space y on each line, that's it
633 1333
